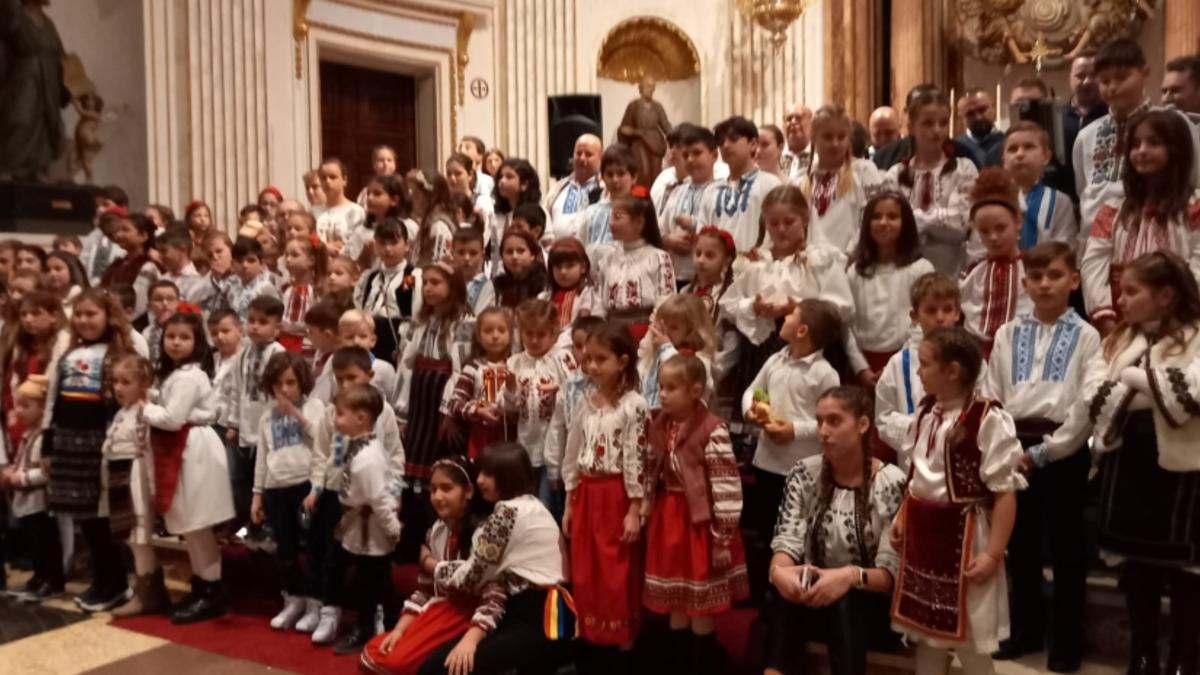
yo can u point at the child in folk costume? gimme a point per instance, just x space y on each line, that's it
65 276
739 200
127 451
637 275
884 265
370 526
772 282
689 206
191 475
434 213
533 380
936 183
25 480
306 260
524 620
338 216
80 392
992 287
1047 214
1041 364
523 275
618 170
570 286
342 280
1160 211
283 464
386 198
474 397
604 472
219 280
225 335
517 184
935 304
164 302
431 618
469 261
713 253
355 329
253 277
681 326
566 407
837 184
437 349
695 566
1142 403
135 233
391 292
463 182
954 525
383 163
351 366
33 347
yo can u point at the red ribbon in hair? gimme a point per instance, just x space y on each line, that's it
723 235
640 192
187 308
273 190
119 211
315 241
192 206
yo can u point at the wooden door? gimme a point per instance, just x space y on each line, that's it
363 108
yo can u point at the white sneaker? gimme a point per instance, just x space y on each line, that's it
327 629
293 609
312 616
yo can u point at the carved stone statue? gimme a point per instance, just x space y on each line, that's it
644 129
87 133
31 89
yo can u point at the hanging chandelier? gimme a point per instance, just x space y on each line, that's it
774 15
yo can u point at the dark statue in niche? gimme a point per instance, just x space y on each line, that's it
644 129
31 87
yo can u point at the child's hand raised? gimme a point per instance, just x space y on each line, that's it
779 431
286 407
658 336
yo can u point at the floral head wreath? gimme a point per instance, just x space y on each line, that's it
723 235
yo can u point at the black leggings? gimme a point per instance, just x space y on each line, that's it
372 586
849 627
283 513
40 532
107 571
326 559
518 644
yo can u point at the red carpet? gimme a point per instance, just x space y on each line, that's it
245 633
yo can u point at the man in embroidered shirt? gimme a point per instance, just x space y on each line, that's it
739 198
797 153
570 196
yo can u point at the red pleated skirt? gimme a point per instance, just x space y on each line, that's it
606 575
679 573
439 623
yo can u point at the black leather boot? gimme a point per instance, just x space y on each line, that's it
1185 623
1143 601
209 603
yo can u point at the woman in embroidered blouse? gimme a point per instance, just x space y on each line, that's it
1141 403
1159 212
638 274
936 183
848 560
515 560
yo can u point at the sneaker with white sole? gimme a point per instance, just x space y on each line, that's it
293 609
312 616
327 628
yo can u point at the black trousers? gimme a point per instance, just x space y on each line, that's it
327 560
1051 508
519 644
241 478
40 532
372 586
107 571
1144 584
856 623
416 512
283 513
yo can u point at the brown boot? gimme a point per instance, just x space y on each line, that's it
149 596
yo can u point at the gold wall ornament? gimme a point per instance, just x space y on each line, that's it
1045 32
299 32
466 24
647 46
774 16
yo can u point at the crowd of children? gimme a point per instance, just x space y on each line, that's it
572 415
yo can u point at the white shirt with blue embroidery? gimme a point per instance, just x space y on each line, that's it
737 206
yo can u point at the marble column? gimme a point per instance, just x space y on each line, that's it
1181 28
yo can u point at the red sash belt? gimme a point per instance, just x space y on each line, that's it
168 449
931 593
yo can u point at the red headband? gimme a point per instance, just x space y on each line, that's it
723 235
187 308
640 192
273 190
119 211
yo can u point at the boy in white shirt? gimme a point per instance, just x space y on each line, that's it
691 203
341 216
1041 363
175 249
738 200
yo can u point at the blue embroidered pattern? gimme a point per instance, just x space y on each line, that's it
732 201
600 225
1062 347
1024 342
1058 358
285 431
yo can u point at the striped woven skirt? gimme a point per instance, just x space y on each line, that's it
74 445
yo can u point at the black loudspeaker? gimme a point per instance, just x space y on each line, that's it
46 208
570 117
